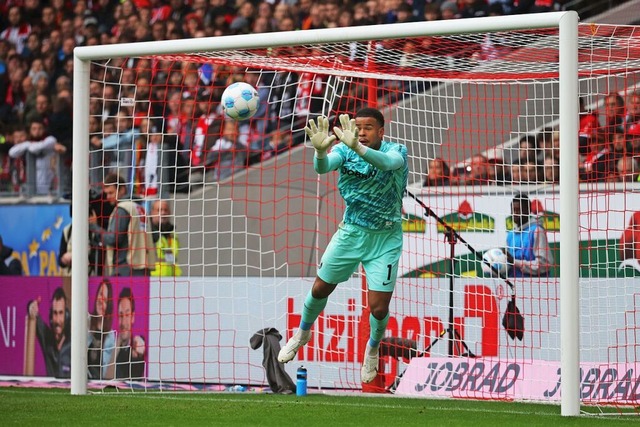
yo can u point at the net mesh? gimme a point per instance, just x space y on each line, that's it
479 114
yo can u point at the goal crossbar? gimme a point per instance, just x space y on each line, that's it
324 35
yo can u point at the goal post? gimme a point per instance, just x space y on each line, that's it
421 102
569 214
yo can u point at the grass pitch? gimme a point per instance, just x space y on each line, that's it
37 407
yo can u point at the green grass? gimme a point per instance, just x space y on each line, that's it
27 406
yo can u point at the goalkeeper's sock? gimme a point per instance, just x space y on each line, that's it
311 310
378 327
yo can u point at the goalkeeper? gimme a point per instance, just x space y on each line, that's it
372 181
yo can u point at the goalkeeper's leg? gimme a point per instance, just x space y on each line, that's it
313 306
371 354
338 263
381 269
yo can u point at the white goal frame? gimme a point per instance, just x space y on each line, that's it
566 22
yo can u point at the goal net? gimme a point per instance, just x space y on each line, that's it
245 218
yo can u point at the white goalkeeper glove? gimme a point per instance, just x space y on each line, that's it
349 134
319 136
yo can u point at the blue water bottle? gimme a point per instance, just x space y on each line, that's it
301 383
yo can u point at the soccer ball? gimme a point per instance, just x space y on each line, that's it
496 258
240 101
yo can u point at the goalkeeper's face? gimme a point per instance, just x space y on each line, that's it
369 132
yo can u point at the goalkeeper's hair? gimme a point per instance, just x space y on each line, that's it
371 112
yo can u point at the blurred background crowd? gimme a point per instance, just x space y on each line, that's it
37 38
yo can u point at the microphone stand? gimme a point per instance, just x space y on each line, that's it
452 237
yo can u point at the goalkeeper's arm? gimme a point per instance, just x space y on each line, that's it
328 163
389 161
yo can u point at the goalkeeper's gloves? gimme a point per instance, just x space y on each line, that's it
349 134
319 136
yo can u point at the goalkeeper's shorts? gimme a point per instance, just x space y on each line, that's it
379 252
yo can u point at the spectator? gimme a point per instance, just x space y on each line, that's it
13 172
152 160
361 15
618 143
476 171
220 14
129 247
474 9
245 14
118 146
332 12
532 6
527 149
265 10
544 142
127 361
497 171
302 9
260 146
55 338
281 141
192 24
286 24
158 31
15 96
187 120
529 172
65 251
60 117
614 113
626 170
404 13
9 265
44 148
261 24
587 128
598 163
316 18
165 239
633 140
515 173
227 155
205 125
528 252
633 110
505 6
438 173
449 10
32 48
48 21
17 31
432 12
551 170
41 112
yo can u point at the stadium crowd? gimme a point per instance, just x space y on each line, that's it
609 151
37 39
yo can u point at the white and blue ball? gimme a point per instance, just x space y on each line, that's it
240 101
496 258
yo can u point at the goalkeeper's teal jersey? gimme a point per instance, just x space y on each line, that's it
373 197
